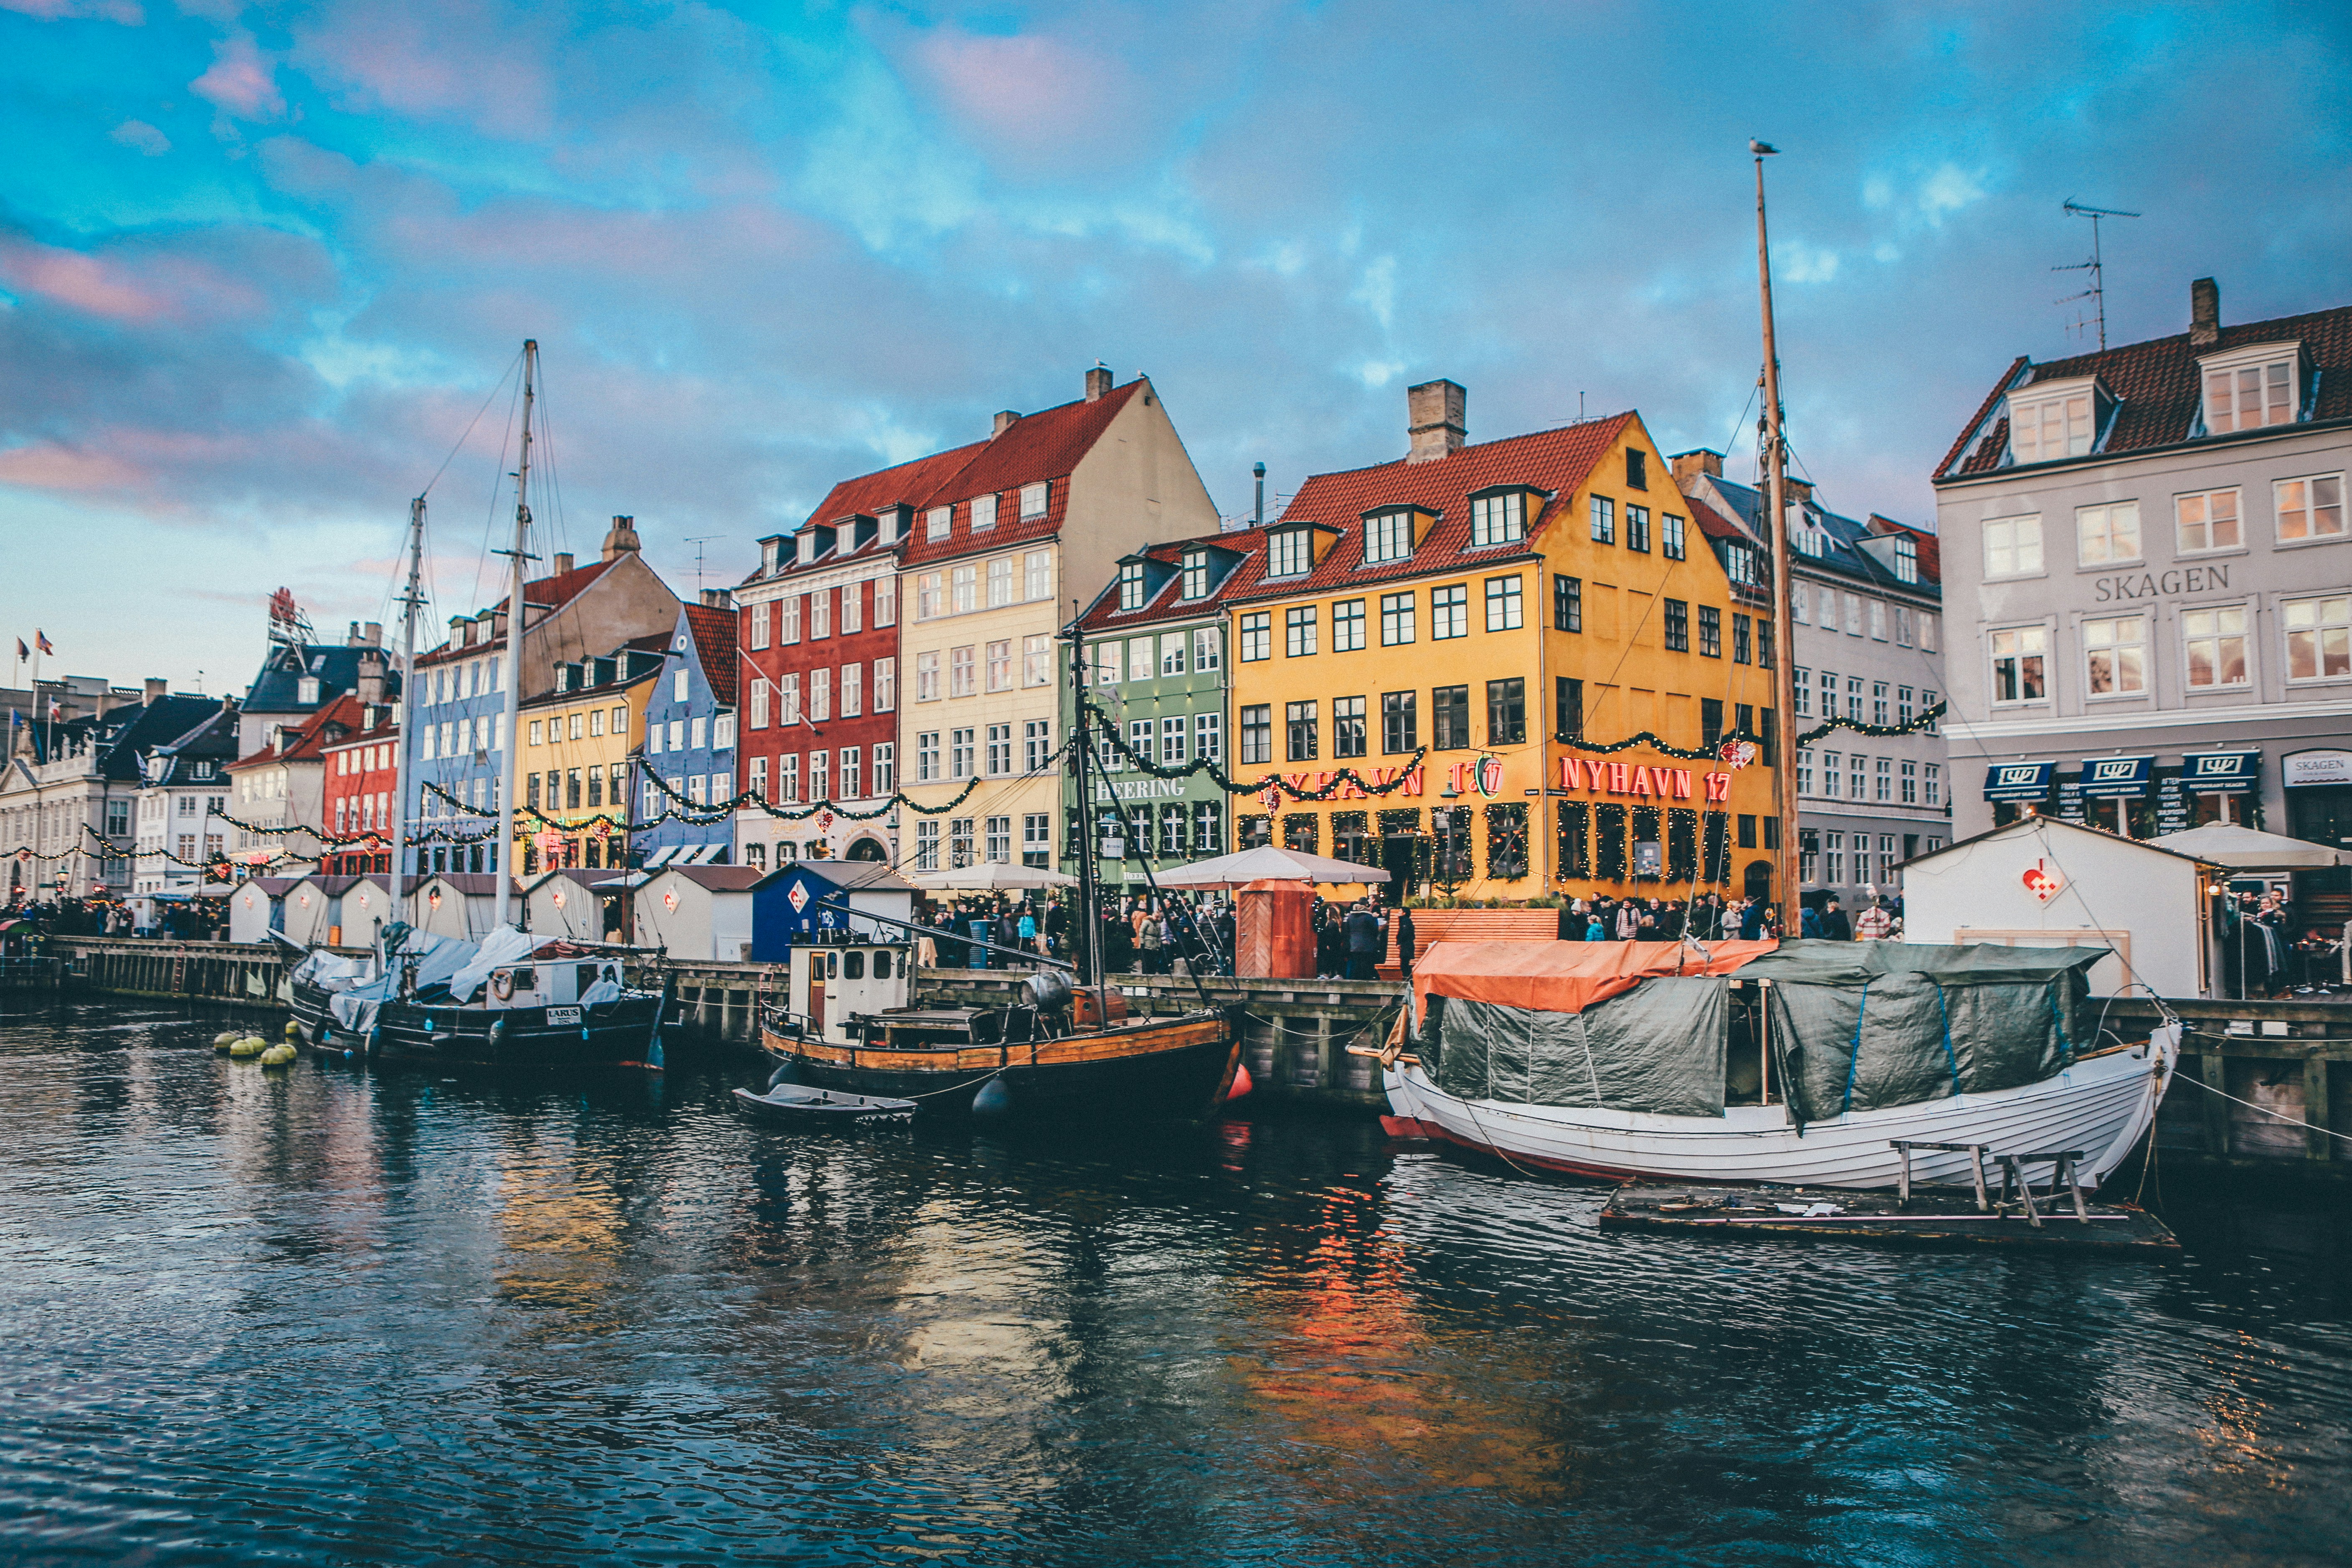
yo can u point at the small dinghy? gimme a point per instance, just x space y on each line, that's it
808 1107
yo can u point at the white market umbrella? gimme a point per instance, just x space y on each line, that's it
992 876
1266 863
2244 848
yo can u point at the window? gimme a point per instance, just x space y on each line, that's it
1000 750
1036 745
1209 736
1449 718
963 589
1208 649
1710 631
926 756
1903 625
2309 509
1000 583
2052 428
1805 773
1257 637
1036 659
1677 626
1298 631
983 514
1710 722
1302 732
1388 536
2012 547
2115 654
1257 733
2318 637
2208 521
2247 397
1196 574
1400 726
852 770
1858 781
1637 529
820 616
959 751
927 844
2017 660
1833 856
1173 733
1506 711
885 601
1931 789
1500 519
1037 574
1878 620
1886 776
1347 735
937 521
1568 700
1396 619
1604 520
930 597
927 677
1904 706
1670 535
1503 614
1208 828
1036 839
886 685
1878 704
1928 706
1140 656
1000 665
1347 625
1637 468
1449 611
1130 585
853 694
820 691
1033 499
2216 646
1910 783
1288 553
960 671
1906 560
760 625
1567 604
1740 626
535 730
1854 697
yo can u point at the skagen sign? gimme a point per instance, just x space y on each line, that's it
2159 584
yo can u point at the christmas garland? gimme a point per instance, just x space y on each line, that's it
1925 720
1217 775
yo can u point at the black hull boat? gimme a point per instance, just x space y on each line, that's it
801 1107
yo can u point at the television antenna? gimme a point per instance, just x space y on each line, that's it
699 541
2097 293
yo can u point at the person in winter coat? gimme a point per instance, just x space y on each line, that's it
1809 921
1629 919
1153 948
1834 924
1751 921
1593 932
1331 946
1875 923
1405 942
1365 939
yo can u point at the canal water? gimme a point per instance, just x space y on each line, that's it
333 1315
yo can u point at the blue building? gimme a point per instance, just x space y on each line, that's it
690 740
455 713
801 900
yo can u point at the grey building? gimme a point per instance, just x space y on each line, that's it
2151 544
1867 600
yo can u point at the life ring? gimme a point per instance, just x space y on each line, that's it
502 983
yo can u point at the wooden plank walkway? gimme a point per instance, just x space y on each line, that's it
1937 1218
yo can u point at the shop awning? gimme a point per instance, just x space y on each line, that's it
2017 781
662 856
2221 772
2117 778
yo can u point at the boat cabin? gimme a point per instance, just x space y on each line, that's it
833 983
554 982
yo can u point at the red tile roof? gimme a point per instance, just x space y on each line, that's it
1554 461
2157 384
714 638
550 592
1928 549
1713 524
1043 445
310 742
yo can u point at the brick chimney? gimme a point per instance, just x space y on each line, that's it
563 561
353 639
1098 383
718 598
155 684
1434 414
1006 420
1690 466
371 679
2204 313
623 540
373 631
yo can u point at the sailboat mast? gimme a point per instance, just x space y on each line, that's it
1784 682
1089 923
401 740
505 865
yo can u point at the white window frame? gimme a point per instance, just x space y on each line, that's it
2318 630
2190 637
1290 553
2280 511
2009 544
1499 518
2036 630
2114 643
938 523
2181 525
1037 574
2272 366
2047 425
1388 536
1035 500
2100 523
983 512
1208 649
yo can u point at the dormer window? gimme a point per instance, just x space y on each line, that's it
1498 517
1196 573
2054 419
807 545
306 691
984 513
1289 554
771 554
1906 559
1130 585
2251 387
936 522
1033 501
1388 536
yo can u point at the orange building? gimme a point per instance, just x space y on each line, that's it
1481 625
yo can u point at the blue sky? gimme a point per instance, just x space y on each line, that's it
260 265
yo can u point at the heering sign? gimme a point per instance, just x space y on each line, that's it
2301 769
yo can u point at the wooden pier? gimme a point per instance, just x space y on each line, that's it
1929 1219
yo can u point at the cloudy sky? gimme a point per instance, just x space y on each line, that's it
261 265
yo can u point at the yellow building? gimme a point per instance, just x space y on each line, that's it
579 742
1507 613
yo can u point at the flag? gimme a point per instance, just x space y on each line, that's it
41 640
23 653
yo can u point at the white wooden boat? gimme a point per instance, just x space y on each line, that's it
2101 1105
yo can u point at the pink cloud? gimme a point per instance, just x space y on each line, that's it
123 11
1039 98
87 283
460 63
47 466
242 82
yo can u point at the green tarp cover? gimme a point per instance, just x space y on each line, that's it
1658 1047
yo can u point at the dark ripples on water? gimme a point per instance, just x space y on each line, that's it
328 1315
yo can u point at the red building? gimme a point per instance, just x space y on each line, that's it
359 792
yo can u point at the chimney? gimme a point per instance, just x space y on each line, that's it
1098 383
1004 421
1798 490
155 684
352 638
1434 409
718 598
373 632
562 561
2204 313
1257 470
371 679
623 540
1689 466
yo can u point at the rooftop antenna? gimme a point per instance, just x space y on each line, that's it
2097 293
699 541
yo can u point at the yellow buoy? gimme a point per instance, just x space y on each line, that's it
251 1046
293 1029
278 1056
224 1039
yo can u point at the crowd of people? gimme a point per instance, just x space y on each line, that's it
34 921
1138 936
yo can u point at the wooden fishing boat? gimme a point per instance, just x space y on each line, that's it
803 1106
